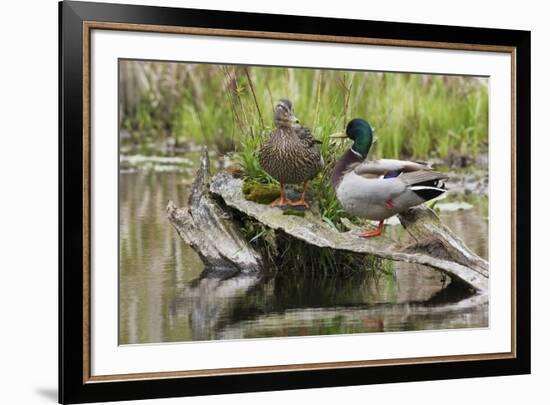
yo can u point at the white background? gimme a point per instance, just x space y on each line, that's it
28 201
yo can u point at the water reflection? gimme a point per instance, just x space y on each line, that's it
166 296
207 302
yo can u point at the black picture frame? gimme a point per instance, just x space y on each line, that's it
73 387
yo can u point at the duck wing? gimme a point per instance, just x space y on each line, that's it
421 177
305 135
389 168
312 146
407 189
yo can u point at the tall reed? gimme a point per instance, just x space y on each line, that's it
230 107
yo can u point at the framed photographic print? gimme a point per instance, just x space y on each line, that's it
256 202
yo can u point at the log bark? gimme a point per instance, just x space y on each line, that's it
434 238
207 226
209 230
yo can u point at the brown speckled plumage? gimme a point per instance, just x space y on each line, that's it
291 155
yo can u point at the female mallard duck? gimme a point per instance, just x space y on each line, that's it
291 154
381 188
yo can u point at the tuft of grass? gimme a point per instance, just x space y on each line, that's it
289 255
298 256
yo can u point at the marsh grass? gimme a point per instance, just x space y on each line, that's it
230 107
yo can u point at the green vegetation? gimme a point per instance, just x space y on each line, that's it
229 108
289 255
260 193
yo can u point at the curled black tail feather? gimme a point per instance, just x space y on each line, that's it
428 190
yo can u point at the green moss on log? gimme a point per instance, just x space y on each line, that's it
260 193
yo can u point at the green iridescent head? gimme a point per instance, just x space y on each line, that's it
361 133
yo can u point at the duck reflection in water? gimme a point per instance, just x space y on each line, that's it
251 306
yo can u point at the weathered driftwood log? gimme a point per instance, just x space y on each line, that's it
436 246
434 238
207 227
209 230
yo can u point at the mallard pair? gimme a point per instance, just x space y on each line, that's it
374 190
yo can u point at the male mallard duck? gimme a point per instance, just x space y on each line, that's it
291 154
381 188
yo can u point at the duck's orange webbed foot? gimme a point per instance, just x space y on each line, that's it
378 231
300 203
282 200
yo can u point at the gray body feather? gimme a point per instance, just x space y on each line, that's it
364 192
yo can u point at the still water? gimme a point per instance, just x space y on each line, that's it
164 299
